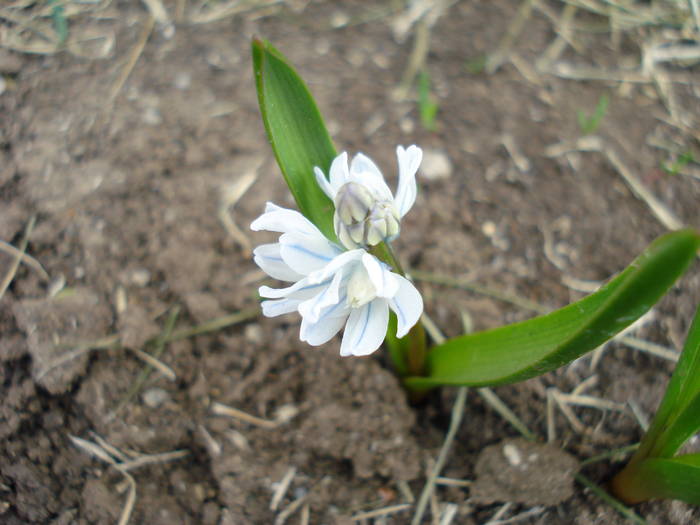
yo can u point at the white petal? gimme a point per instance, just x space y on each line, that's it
301 290
339 173
407 304
279 307
365 329
268 257
306 254
338 263
409 161
276 219
329 296
324 184
320 332
384 281
364 171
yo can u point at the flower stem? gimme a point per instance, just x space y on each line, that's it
416 350
628 485
415 347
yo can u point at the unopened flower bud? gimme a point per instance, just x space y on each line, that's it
353 203
361 219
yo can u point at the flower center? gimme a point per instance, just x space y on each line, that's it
360 289
361 219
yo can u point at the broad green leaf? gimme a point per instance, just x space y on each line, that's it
683 423
296 132
678 416
670 478
530 348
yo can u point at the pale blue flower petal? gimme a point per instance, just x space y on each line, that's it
306 254
329 296
409 161
365 329
301 290
384 281
268 257
279 307
338 263
324 184
320 332
339 173
407 304
366 172
277 219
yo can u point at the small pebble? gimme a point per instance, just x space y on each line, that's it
140 277
152 116
407 125
56 285
339 19
253 333
489 228
154 397
183 80
512 454
120 300
436 165
286 413
238 440
322 46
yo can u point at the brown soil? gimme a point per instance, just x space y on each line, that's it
127 199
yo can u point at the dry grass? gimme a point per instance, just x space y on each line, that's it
124 462
18 256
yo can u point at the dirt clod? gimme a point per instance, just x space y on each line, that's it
517 470
58 325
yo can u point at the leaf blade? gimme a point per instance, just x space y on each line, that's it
523 350
678 416
296 132
670 478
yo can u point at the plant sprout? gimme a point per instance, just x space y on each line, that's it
588 124
655 471
349 217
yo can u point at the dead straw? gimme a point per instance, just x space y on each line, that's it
384 511
10 275
455 422
133 58
160 345
25 258
607 498
117 459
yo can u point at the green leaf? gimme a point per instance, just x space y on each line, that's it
678 416
683 423
536 346
590 124
60 23
427 106
676 478
296 132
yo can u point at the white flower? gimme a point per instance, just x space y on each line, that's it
333 288
366 212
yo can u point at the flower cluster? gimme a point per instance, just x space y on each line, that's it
343 286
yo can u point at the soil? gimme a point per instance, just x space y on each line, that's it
128 194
